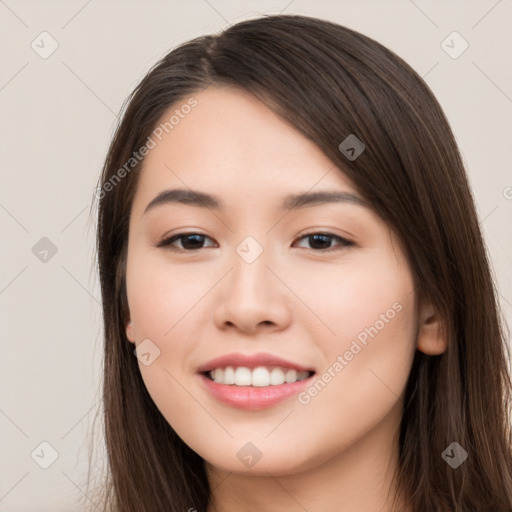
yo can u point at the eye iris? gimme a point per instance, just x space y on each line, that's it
197 243
323 239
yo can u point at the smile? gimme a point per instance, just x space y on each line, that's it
253 381
260 376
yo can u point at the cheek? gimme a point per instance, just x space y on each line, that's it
361 385
344 300
164 305
367 336
160 297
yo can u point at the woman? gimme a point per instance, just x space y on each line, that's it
299 311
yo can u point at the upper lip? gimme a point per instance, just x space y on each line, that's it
250 361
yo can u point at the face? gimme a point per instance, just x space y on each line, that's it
269 286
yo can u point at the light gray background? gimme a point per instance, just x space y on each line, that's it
57 118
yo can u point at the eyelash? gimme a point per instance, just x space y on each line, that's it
167 242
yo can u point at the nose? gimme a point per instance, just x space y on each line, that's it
252 298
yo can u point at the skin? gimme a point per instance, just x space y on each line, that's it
337 452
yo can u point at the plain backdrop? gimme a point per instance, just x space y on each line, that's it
58 113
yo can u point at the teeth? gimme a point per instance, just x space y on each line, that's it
243 376
258 377
291 376
229 375
217 375
276 377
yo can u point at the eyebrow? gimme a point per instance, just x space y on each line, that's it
291 202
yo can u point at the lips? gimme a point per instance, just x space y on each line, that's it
260 393
251 361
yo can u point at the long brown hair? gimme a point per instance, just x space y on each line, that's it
328 82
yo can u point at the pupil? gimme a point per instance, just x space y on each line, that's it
196 244
316 238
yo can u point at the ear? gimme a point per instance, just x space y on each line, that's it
431 339
129 332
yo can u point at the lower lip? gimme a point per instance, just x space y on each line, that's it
251 397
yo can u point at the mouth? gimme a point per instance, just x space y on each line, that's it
258 377
253 382
252 389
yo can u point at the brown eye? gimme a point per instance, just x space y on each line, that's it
194 241
322 241
188 241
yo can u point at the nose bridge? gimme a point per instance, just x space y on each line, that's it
250 271
252 295
249 250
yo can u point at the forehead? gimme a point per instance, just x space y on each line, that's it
233 144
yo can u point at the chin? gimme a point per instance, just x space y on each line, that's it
264 462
